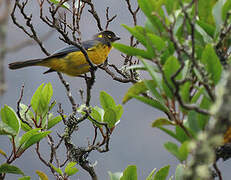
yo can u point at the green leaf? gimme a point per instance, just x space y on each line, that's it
148 7
225 9
212 63
180 169
193 122
26 136
157 41
169 132
171 6
115 176
10 119
119 111
152 102
52 122
138 32
25 178
161 122
130 173
58 170
42 175
162 173
41 99
217 14
97 114
172 148
110 117
203 33
7 168
170 68
183 151
131 51
152 86
150 176
70 169
136 89
34 139
6 130
205 10
208 28
106 101
185 91
181 135
64 5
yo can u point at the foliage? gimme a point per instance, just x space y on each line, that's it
183 52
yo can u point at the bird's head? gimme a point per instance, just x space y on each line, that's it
108 36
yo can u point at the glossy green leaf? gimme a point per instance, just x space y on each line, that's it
70 169
149 7
52 122
225 9
130 173
156 41
162 174
185 91
169 132
217 14
7 168
58 170
110 117
6 130
212 63
203 119
135 89
42 175
26 136
96 115
115 176
193 122
205 10
161 122
106 101
152 86
172 148
181 135
180 169
24 178
203 33
183 151
138 32
34 139
152 102
208 28
119 111
10 119
41 99
153 73
151 175
131 51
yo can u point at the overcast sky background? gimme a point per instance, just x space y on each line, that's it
132 142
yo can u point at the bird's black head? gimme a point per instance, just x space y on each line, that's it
108 36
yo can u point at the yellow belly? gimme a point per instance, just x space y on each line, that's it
75 63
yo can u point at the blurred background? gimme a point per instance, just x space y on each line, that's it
133 141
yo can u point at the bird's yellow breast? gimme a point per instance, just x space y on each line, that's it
75 63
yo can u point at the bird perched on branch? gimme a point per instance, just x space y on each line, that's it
70 60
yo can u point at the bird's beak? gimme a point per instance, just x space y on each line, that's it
116 38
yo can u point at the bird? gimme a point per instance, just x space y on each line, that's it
70 60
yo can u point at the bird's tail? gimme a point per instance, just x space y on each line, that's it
22 64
